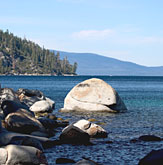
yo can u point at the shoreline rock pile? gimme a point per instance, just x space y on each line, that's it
23 136
28 126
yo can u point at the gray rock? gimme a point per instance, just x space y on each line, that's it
17 138
93 95
0 126
22 123
41 106
29 101
8 94
28 141
92 129
74 135
3 156
9 106
64 161
29 97
1 115
155 157
146 138
24 111
51 102
39 133
48 123
23 155
30 93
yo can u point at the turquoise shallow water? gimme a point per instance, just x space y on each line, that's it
143 97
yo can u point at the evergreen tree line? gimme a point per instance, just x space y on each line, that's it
21 56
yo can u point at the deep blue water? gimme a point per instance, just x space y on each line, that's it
143 97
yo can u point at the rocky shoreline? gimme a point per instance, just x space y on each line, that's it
28 127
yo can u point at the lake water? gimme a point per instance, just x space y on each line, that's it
143 97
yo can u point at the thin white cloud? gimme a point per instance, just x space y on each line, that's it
93 34
138 40
152 40
71 1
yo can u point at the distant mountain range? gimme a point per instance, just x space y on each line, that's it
94 64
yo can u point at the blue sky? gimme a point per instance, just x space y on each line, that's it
129 30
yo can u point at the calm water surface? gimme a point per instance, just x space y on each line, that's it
143 97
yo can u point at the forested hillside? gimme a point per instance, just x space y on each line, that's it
21 56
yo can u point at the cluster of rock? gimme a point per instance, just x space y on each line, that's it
27 125
81 131
23 136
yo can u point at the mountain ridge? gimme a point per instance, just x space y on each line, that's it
95 64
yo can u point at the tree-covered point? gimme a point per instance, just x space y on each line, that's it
21 56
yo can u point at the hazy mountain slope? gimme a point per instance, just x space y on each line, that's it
93 64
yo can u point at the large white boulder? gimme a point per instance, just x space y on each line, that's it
93 95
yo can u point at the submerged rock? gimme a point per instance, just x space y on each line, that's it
64 161
146 138
93 95
92 129
149 138
155 157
